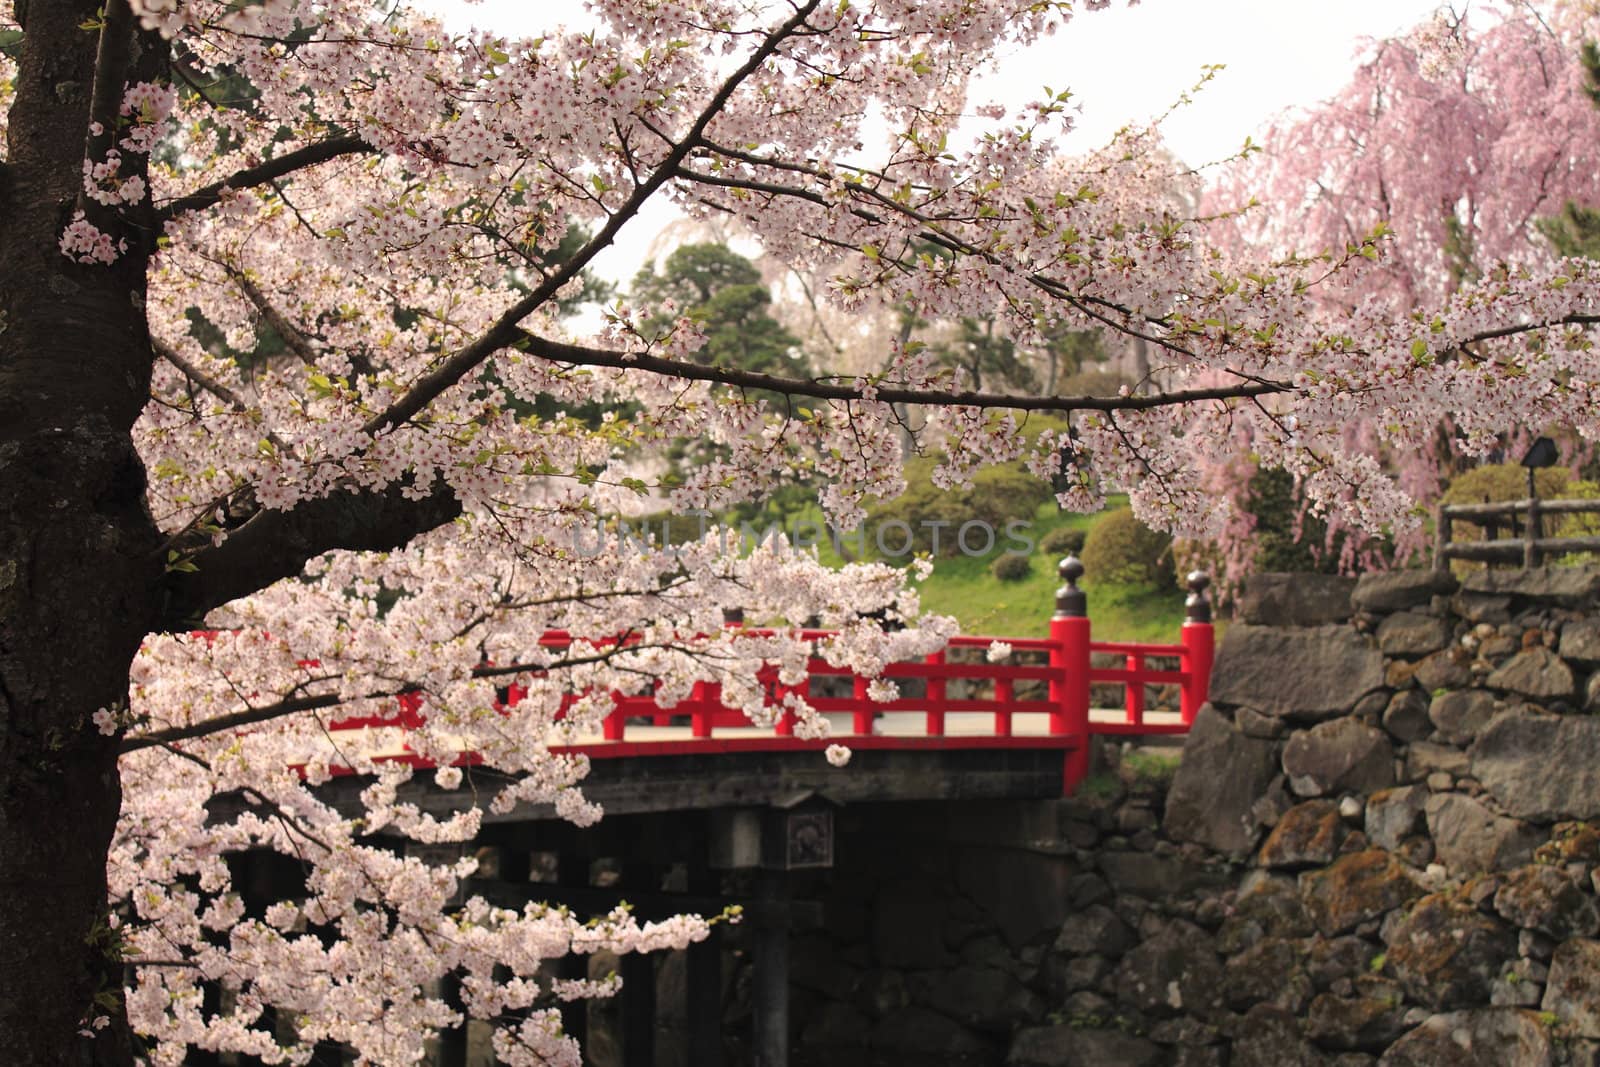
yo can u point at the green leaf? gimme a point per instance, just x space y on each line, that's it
179 563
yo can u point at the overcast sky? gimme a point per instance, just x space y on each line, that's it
1122 65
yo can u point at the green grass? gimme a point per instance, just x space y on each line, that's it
963 587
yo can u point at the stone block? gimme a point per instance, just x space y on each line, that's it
1540 766
1358 887
1393 814
1571 587
1572 992
1546 899
1094 930
1447 954
1339 756
1580 642
1222 774
1446 669
1268 972
1412 634
1069 1046
1406 716
1387 591
1276 599
1460 715
1536 673
1469 838
1310 674
1175 972
1307 835
1271 1037
1484 1037
916 1033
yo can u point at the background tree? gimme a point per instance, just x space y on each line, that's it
1453 142
724 294
379 512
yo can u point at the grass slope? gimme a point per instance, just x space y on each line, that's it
963 586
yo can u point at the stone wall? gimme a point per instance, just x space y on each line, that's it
1381 847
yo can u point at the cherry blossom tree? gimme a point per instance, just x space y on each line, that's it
1453 141
377 508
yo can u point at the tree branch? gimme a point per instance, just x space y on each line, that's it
293 705
292 335
272 169
276 544
216 389
823 389
248 717
505 331
112 57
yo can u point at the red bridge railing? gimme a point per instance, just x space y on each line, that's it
956 699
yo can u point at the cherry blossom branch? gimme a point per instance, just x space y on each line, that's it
199 377
112 57
276 544
505 331
216 389
254 716
1529 327
277 167
297 340
1092 307
293 337
234 720
289 820
825 389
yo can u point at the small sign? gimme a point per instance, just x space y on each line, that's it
809 839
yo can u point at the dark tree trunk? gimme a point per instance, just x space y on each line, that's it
79 569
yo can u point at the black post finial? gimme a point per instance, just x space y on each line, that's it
1070 601
733 616
1197 608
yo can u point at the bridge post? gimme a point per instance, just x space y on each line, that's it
572 870
771 978
639 979
1199 647
703 971
1069 655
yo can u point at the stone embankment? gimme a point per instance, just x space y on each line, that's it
1381 848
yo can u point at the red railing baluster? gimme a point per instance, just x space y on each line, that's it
934 726
1069 630
861 720
615 724
1133 702
1199 648
701 709
786 720
1005 696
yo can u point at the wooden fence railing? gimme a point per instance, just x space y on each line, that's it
1523 521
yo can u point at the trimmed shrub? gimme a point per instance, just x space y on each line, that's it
1124 550
1063 541
1011 567
998 495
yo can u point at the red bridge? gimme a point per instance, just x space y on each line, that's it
1040 698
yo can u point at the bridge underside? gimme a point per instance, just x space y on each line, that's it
711 780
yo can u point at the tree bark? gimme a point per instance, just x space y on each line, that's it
77 557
